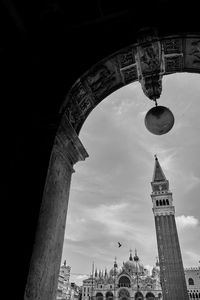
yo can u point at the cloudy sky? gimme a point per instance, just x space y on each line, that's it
110 191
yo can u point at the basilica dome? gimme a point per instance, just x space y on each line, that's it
133 265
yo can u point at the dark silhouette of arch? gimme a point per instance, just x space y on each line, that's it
90 89
157 203
150 296
190 281
167 201
164 203
99 296
160 202
109 295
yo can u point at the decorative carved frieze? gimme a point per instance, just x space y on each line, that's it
129 74
172 46
192 53
173 63
102 79
126 58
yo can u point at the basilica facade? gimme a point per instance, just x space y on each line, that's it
131 281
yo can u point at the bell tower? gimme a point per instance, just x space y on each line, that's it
171 266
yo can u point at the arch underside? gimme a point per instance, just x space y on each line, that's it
178 54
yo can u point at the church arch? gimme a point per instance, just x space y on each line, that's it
99 296
157 203
164 203
124 281
160 202
105 77
150 296
167 201
123 294
109 295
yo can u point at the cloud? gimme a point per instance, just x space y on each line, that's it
186 222
110 216
78 279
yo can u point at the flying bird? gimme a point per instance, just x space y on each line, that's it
119 244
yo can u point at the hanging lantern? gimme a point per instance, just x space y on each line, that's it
159 120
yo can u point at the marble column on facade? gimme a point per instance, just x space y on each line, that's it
47 251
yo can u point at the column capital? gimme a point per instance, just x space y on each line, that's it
68 145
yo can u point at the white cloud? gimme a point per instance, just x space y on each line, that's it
186 221
78 279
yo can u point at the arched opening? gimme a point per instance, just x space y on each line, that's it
73 122
109 296
191 281
99 296
139 296
124 281
164 203
167 201
150 296
123 294
157 203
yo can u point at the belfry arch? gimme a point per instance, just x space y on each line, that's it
171 54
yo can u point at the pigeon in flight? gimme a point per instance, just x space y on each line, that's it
119 244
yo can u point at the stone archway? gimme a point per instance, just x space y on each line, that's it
139 296
109 296
99 296
146 61
123 294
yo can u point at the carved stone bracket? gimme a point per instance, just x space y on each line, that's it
150 64
68 145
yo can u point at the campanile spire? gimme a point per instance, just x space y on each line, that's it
158 174
171 266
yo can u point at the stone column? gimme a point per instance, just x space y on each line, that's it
47 251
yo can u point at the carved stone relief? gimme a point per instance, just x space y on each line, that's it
102 79
126 58
192 53
173 63
129 74
172 46
150 65
149 58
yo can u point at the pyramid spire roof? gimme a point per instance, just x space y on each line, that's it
158 174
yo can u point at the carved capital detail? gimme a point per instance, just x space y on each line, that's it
68 145
150 65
